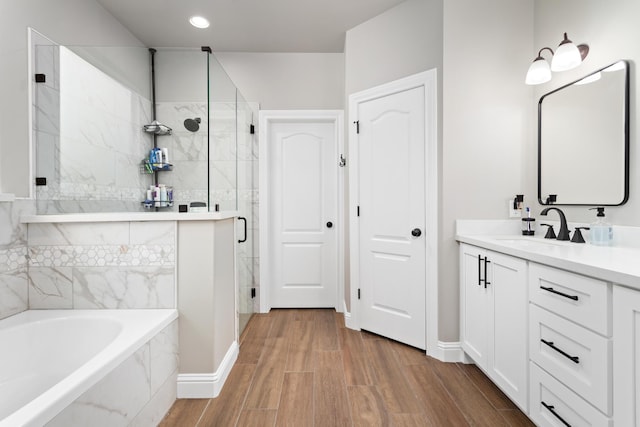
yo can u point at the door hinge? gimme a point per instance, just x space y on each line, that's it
343 162
41 78
358 211
357 123
358 293
253 292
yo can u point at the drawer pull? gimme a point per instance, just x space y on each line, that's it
553 291
486 281
479 270
574 359
551 409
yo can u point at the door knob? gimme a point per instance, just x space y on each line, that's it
416 232
329 224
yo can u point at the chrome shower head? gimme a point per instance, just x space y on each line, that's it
192 125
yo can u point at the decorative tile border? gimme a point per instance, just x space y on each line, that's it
101 256
13 259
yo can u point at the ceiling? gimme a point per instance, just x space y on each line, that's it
246 25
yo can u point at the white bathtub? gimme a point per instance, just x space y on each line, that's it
49 358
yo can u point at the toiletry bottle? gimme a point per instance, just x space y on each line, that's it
163 195
601 232
156 196
528 224
165 156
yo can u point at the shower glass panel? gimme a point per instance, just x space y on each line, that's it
88 106
247 166
181 103
223 173
230 149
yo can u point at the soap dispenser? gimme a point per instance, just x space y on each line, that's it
601 232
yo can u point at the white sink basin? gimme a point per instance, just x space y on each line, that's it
530 242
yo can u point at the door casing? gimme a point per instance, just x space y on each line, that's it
266 119
427 80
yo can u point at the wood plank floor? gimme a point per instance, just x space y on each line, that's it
304 368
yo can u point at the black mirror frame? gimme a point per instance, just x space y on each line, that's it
626 139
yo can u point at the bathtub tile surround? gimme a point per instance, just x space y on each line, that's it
13 257
50 288
104 265
138 392
163 356
132 287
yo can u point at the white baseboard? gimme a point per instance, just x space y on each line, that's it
448 352
348 322
207 386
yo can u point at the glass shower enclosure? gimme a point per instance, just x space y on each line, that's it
91 150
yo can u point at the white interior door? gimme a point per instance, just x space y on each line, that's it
392 218
303 214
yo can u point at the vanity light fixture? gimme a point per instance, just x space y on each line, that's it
199 22
566 57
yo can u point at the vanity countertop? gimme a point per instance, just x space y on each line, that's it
619 265
128 217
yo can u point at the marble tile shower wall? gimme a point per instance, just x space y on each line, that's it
13 257
89 138
188 153
116 265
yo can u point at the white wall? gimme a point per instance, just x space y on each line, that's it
487 111
81 22
281 81
612 32
405 40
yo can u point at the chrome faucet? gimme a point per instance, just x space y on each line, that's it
563 233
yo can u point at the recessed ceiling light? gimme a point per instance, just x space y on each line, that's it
199 22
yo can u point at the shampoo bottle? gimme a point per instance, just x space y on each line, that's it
601 232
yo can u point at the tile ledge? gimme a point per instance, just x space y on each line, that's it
7 197
128 217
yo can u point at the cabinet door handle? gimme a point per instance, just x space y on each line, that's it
243 219
486 281
562 294
551 409
480 271
574 359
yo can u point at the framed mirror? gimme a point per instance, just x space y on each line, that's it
583 140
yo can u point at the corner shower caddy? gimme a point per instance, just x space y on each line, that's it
156 129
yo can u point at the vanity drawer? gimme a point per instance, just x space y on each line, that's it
579 358
551 401
581 299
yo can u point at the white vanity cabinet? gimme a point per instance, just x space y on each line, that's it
626 367
570 348
583 317
493 320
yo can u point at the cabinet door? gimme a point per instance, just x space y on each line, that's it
626 357
474 305
508 353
